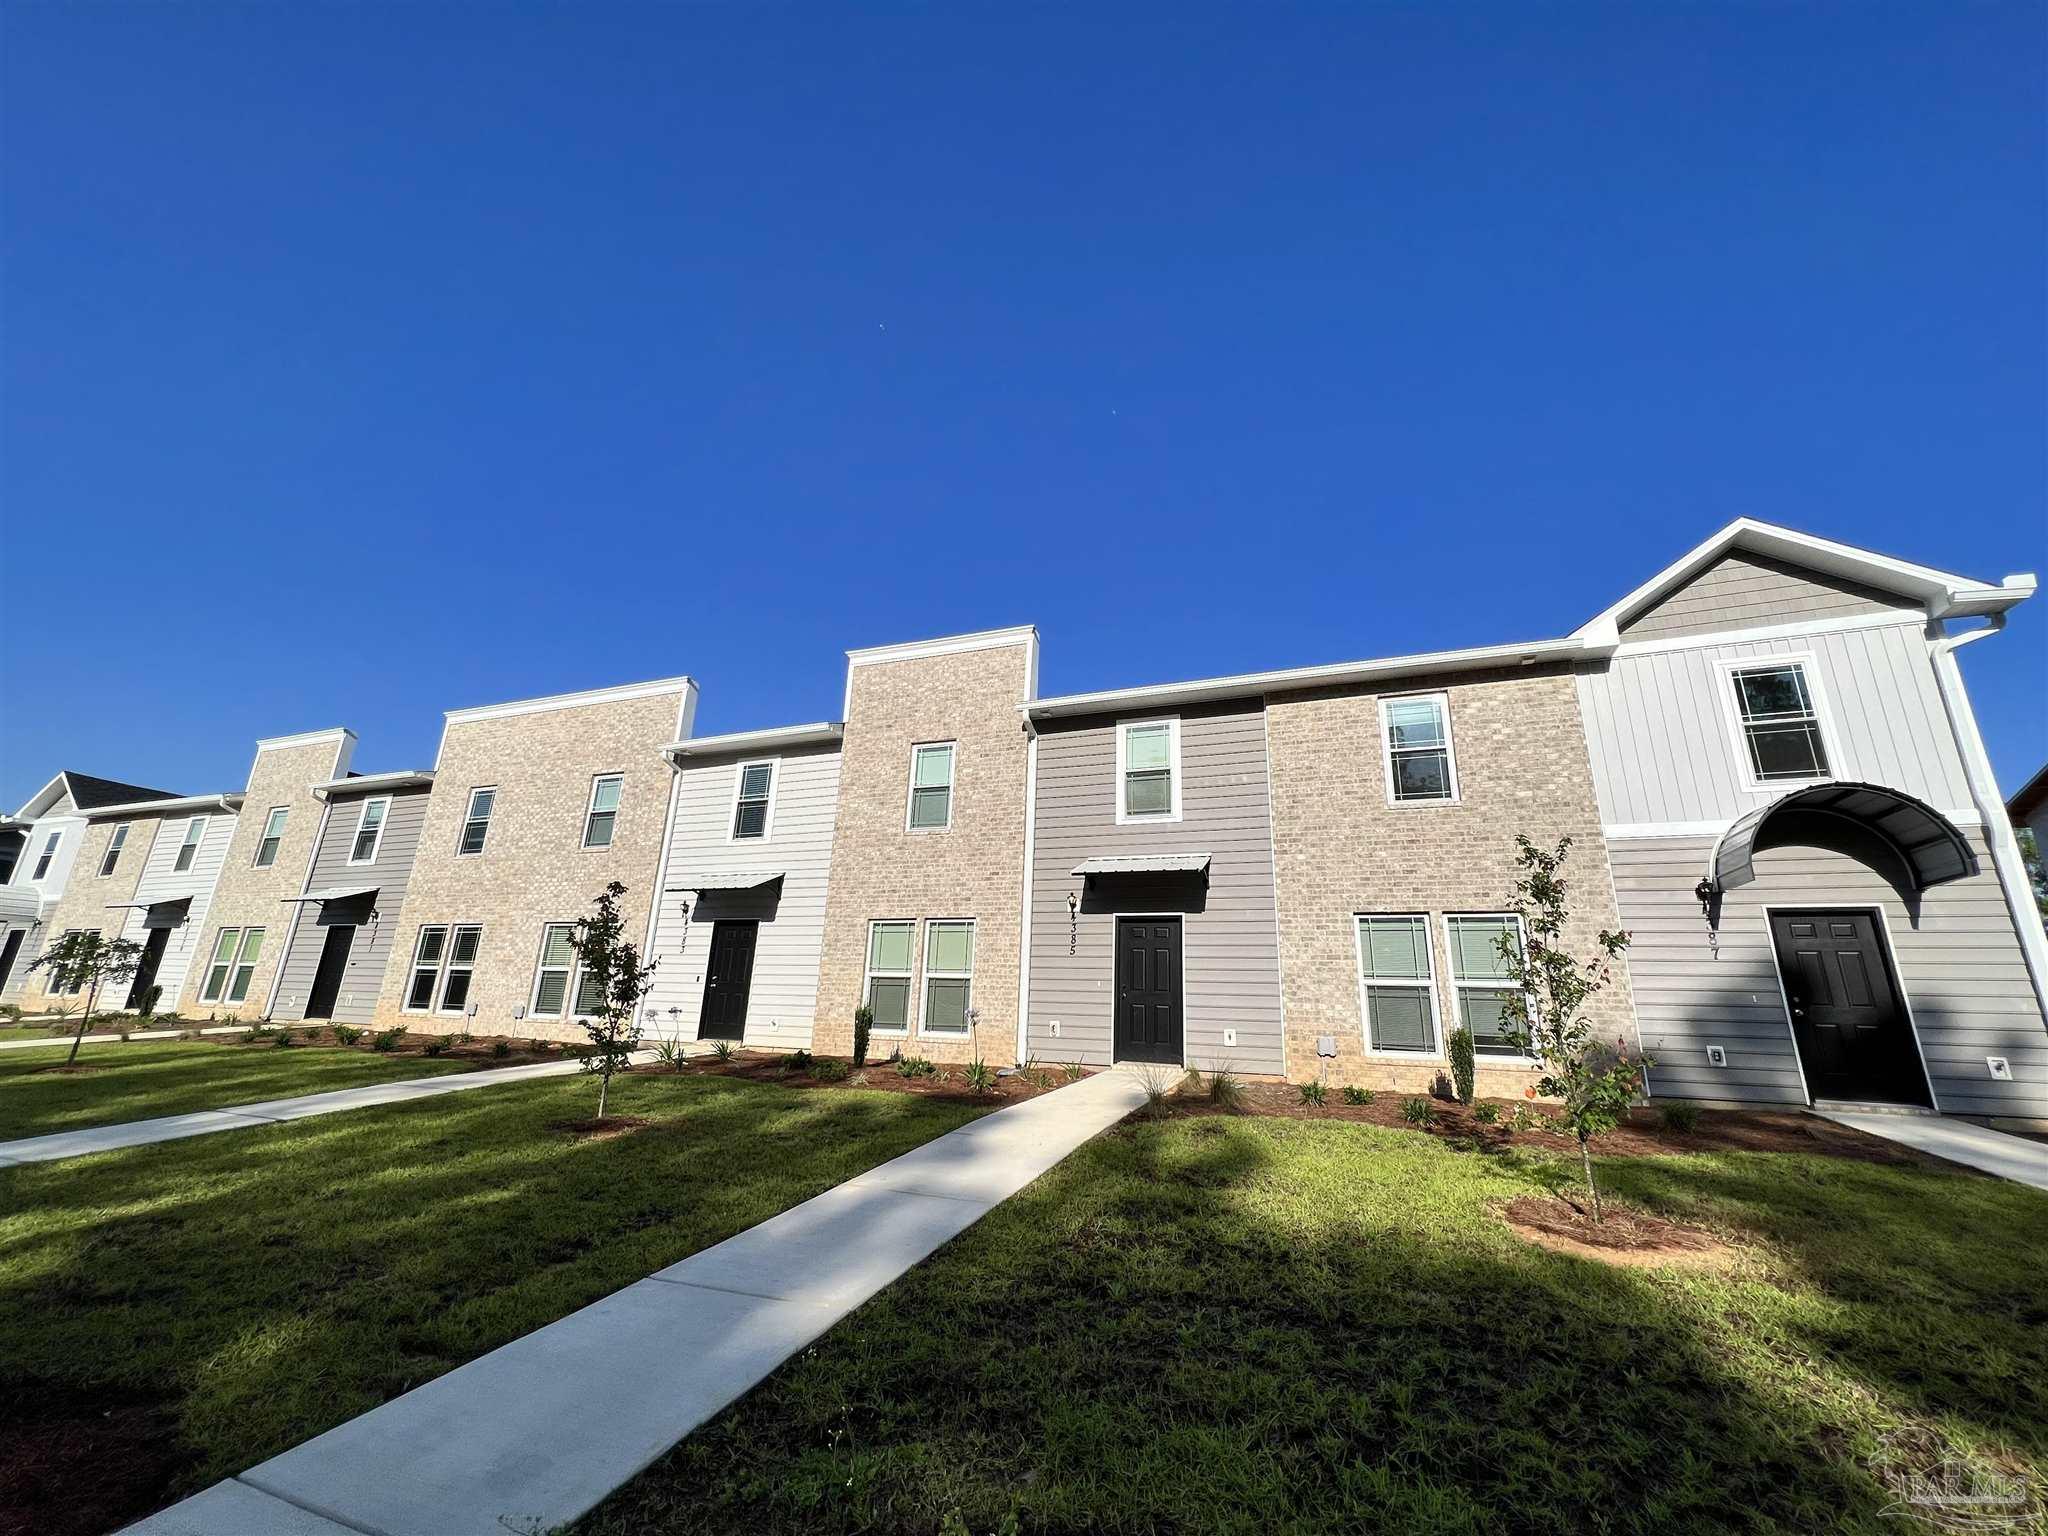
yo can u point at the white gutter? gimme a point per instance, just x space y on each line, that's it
818 733
1024 931
367 783
2005 848
230 803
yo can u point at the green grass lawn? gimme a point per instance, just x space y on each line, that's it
1242 1325
150 1078
170 1315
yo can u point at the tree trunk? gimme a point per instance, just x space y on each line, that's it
604 1083
85 1018
1592 1189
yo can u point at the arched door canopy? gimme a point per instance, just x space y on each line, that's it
1927 842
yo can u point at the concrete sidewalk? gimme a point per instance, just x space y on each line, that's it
133 1035
238 1117
1959 1141
508 1442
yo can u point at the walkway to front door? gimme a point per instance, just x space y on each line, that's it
728 980
1148 1010
1848 1020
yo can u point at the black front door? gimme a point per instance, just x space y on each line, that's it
145 972
1847 1018
1148 990
728 981
8 953
333 967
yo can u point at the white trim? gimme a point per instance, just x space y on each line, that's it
1273 873
448 969
1442 701
180 865
1630 831
926 975
1898 977
1896 619
617 695
377 841
1518 1059
30 810
413 967
952 747
1434 1056
1891 955
1124 816
732 811
590 809
817 733
110 857
263 836
303 739
945 645
469 815
1024 934
661 891
226 804
1731 715
909 977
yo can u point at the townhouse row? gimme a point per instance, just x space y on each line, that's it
1764 756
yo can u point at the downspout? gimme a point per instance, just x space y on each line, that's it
2005 848
1024 931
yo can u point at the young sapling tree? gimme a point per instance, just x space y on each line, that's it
83 961
614 977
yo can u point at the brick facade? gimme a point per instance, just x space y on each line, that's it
248 897
974 868
1341 849
533 869
87 896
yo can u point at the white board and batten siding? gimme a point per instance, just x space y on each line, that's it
370 952
161 880
789 943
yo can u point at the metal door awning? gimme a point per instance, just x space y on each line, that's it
167 913
745 880
1932 848
1145 864
335 893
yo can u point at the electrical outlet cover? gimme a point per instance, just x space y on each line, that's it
2000 1068
1717 1056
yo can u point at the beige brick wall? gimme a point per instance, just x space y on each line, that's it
248 897
1340 849
974 869
84 904
534 869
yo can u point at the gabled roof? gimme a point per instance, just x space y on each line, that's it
85 793
2031 796
1944 594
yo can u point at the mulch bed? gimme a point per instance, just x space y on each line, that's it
477 1049
1717 1130
604 1129
1624 1237
82 1462
947 1084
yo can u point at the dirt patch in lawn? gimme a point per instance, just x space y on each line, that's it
1644 1135
602 1129
78 1070
1628 1238
78 1464
945 1083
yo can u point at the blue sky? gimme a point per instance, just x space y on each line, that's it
363 362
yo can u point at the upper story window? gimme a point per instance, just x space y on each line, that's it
273 836
1398 983
603 815
753 797
1781 734
1148 770
476 820
1421 767
1480 945
369 830
931 786
49 853
195 829
114 846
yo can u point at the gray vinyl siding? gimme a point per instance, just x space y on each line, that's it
1957 957
1659 727
783 999
1748 591
370 953
1230 963
162 881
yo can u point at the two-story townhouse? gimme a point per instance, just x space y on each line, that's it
536 805
924 905
264 866
739 925
51 828
344 920
145 871
1808 845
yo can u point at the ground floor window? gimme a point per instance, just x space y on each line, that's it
1398 981
891 945
1479 975
948 976
60 984
561 974
443 965
233 965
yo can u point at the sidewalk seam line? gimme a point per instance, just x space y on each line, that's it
732 1290
311 1509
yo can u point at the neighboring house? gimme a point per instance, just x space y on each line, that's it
145 871
52 828
536 805
265 866
923 910
740 927
2029 809
344 919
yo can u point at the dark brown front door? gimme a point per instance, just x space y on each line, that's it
333 967
152 957
1847 1017
1148 990
728 981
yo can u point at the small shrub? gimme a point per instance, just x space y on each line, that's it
281 1037
1225 1091
797 1061
387 1039
723 1050
1158 1084
830 1069
10 1010
863 1025
858 1080
1486 1114
672 1054
254 1033
501 1048
438 1045
1679 1117
123 1035
188 1034
980 1077
1037 1077
1462 1067
1527 1119
1353 1094
1313 1092
346 1034
1418 1111
915 1066
1073 1071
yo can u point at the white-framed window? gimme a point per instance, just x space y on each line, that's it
461 967
476 819
1397 984
1148 770
428 952
560 975
233 965
891 947
753 801
1415 732
948 976
1777 720
362 848
115 844
1479 975
273 836
50 852
195 829
931 786
601 819
443 965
